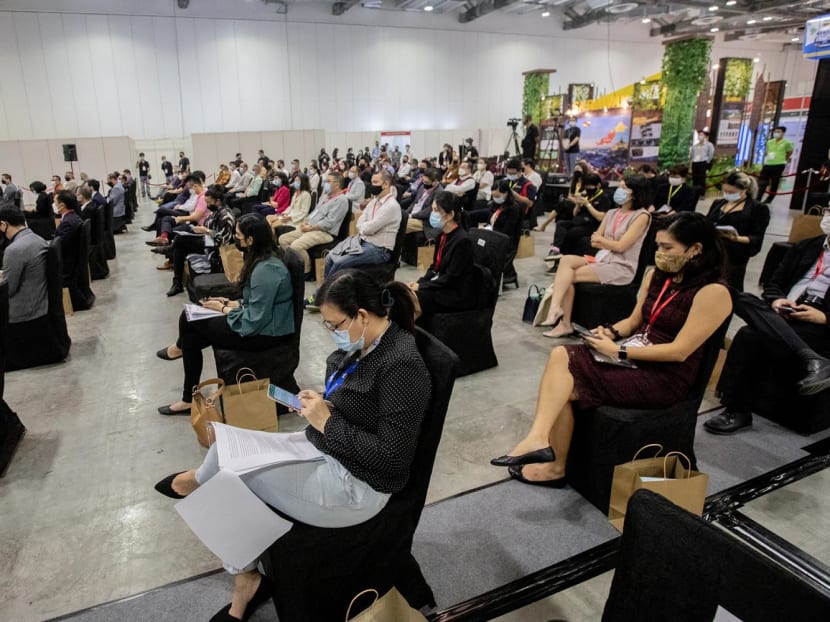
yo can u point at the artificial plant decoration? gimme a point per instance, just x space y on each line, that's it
685 65
535 89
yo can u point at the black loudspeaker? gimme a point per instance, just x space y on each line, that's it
70 153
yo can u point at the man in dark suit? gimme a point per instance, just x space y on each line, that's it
130 195
789 328
69 232
99 199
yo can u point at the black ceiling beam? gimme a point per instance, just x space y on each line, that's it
483 8
338 8
685 28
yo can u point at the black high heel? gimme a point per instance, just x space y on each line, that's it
165 486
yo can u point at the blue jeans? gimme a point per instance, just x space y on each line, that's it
371 255
570 159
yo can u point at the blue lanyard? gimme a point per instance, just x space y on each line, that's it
335 380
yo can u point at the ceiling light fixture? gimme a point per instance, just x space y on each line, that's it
428 8
546 14
756 60
768 18
713 8
732 3
623 7
752 21
715 66
646 20
795 39
716 29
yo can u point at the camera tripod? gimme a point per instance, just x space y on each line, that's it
514 136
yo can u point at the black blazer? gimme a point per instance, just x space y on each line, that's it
751 221
684 200
508 221
69 232
798 260
452 284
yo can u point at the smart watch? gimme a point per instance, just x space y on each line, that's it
623 355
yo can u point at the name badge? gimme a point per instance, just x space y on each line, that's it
772 155
636 341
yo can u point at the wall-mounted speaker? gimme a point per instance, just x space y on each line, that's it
70 153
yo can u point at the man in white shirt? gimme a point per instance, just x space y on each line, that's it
405 169
235 176
485 181
534 177
377 228
701 155
245 179
356 189
464 183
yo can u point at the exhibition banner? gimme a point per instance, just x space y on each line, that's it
605 138
817 38
732 89
646 123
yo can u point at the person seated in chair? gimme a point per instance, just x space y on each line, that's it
564 209
787 327
87 208
523 190
618 239
356 189
183 205
280 200
676 195
420 209
447 285
69 231
219 230
323 224
194 216
366 424
484 178
504 216
377 227
681 304
258 321
250 195
42 216
297 212
463 183
10 197
572 235
24 268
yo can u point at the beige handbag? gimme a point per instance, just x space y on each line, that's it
391 607
205 410
527 248
246 404
425 255
232 261
544 307
320 267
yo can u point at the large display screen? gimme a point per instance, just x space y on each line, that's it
817 38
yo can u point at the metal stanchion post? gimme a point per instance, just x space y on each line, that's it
809 172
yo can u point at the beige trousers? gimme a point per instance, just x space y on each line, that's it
301 242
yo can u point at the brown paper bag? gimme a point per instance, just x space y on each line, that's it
544 307
320 268
232 261
391 607
806 226
664 475
426 254
352 224
205 410
527 248
247 405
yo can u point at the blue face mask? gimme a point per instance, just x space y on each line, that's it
435 220
344 342
327 187
278 183
620 196
296 185
511 177
732 196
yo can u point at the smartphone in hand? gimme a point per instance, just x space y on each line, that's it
286 398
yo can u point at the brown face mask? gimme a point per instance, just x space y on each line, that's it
669 263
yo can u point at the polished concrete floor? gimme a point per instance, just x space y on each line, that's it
80 523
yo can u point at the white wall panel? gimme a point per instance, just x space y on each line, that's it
12 162
14 108
105 76
40 102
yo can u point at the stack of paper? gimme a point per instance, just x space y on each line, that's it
195 312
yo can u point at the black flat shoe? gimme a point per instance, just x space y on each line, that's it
532 457
149 228
728 423
817 378
162 354
166 410
262 594
165 486
174 290
516 473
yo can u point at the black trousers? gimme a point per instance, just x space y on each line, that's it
196 336
767 340
570 236
770 176
182 246
699 170
161 212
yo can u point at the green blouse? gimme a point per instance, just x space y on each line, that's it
266 307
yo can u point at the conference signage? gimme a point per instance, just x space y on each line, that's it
817 38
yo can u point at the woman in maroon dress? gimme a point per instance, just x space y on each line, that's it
680 305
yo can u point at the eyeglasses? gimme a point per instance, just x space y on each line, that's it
334 327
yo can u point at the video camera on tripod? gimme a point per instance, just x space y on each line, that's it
514 123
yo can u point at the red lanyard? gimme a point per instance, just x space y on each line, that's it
617 221
818 267
496 215
657 310
439 255
378 203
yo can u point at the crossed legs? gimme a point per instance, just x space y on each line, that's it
572 269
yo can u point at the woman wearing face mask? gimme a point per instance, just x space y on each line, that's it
297 212
741 222
484 178
576 193
618 241
257 321
280 200
365 423
447 285
676 195
679 306
451 174
41 219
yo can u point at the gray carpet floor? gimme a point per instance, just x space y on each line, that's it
473 543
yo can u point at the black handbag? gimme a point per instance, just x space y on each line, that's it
534 298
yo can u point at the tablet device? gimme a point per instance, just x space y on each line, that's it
286 398
583 332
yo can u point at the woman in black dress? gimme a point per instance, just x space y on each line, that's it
741 222
680 305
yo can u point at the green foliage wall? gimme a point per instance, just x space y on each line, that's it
737 79
685 64
536 86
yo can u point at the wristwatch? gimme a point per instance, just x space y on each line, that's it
623 355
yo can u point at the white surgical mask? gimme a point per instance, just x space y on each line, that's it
55 209
675 181
732 196
620 196
825 224
777 134
498 200
351 175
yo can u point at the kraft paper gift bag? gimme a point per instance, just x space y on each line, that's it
232 261
666 475
544 307
425 255
205 410
320 268
527 248
807 225
246 404
391 607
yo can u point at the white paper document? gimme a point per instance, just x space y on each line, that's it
230 520
196 312
242 451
